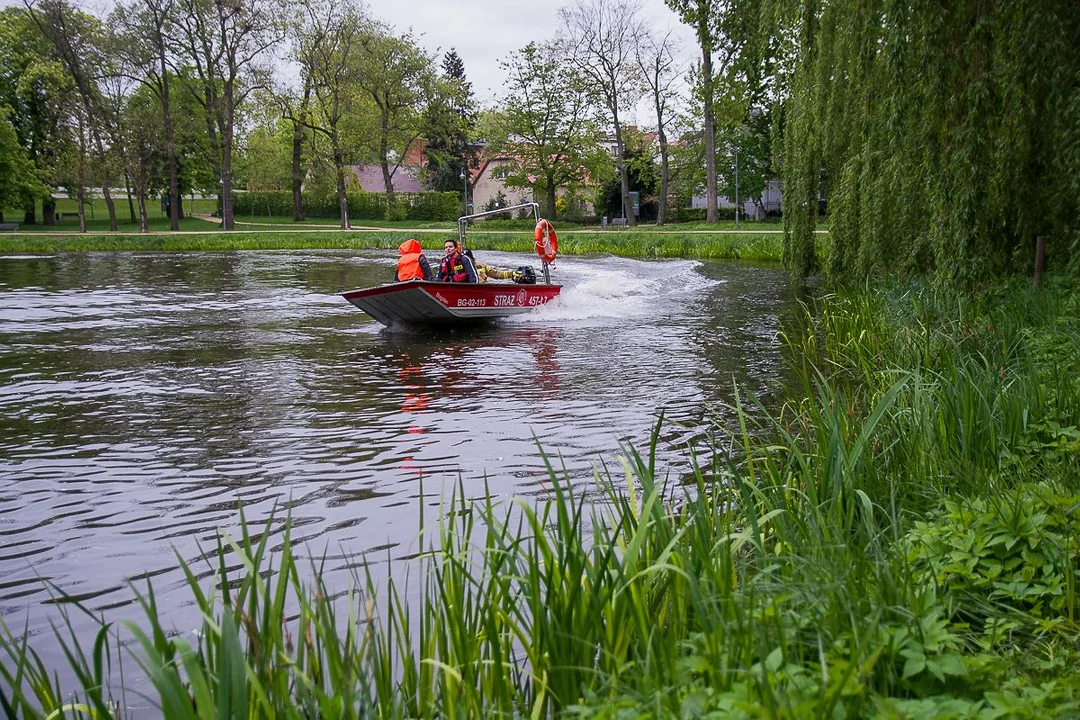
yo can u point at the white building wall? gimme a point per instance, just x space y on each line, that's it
487 187
770 201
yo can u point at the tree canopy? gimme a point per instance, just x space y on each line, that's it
547 126
946 136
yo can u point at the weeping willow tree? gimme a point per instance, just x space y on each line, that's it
944 135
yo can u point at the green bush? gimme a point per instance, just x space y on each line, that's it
264 203
395 211
693 214
1013 554
432 206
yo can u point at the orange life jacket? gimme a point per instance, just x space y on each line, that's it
408 265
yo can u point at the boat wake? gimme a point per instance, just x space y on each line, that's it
619 288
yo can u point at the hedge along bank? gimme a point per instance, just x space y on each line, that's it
363 205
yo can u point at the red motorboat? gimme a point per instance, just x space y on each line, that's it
421 302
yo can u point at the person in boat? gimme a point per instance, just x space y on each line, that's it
413 264
456 265
485 271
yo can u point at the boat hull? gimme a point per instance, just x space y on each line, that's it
423 302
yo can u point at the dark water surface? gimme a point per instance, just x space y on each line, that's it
145 397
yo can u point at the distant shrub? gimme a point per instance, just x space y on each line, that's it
695 214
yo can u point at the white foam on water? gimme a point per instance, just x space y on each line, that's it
619 288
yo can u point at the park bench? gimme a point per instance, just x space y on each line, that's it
618 221
9 226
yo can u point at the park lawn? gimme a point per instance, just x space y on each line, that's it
758 247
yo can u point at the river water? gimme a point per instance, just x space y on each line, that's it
145 398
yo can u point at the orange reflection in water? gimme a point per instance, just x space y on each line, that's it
416 398
547 364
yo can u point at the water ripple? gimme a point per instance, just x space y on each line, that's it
146 399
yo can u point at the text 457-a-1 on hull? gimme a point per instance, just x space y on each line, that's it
419 302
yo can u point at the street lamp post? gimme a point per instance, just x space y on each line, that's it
736 188
465 191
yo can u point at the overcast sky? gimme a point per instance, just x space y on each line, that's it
487 31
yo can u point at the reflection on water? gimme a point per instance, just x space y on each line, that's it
144 398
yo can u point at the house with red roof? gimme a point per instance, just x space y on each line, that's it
404 176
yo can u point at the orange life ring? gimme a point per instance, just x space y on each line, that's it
547 245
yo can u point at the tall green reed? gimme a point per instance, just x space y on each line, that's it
787 576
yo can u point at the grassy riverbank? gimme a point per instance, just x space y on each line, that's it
627 243
901 540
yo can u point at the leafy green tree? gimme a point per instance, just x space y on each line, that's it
329 45
729 36
197 165
449 123
698 14
227 43
642 175
77 40
546 127
266 154
17 176
602 36
147 152
655 56
145 30
945 136
744 162
36 90
398 78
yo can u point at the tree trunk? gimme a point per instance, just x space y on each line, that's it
384 162
80 196
30 211
215 154
170 144
343 199
661 137
227 221
143 225
48 212
388 182
297 173
127 189
550 198
710 139
661 212
95 133
80 174
624 180
109 204
140 192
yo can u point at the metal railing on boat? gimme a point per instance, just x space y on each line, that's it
463 223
